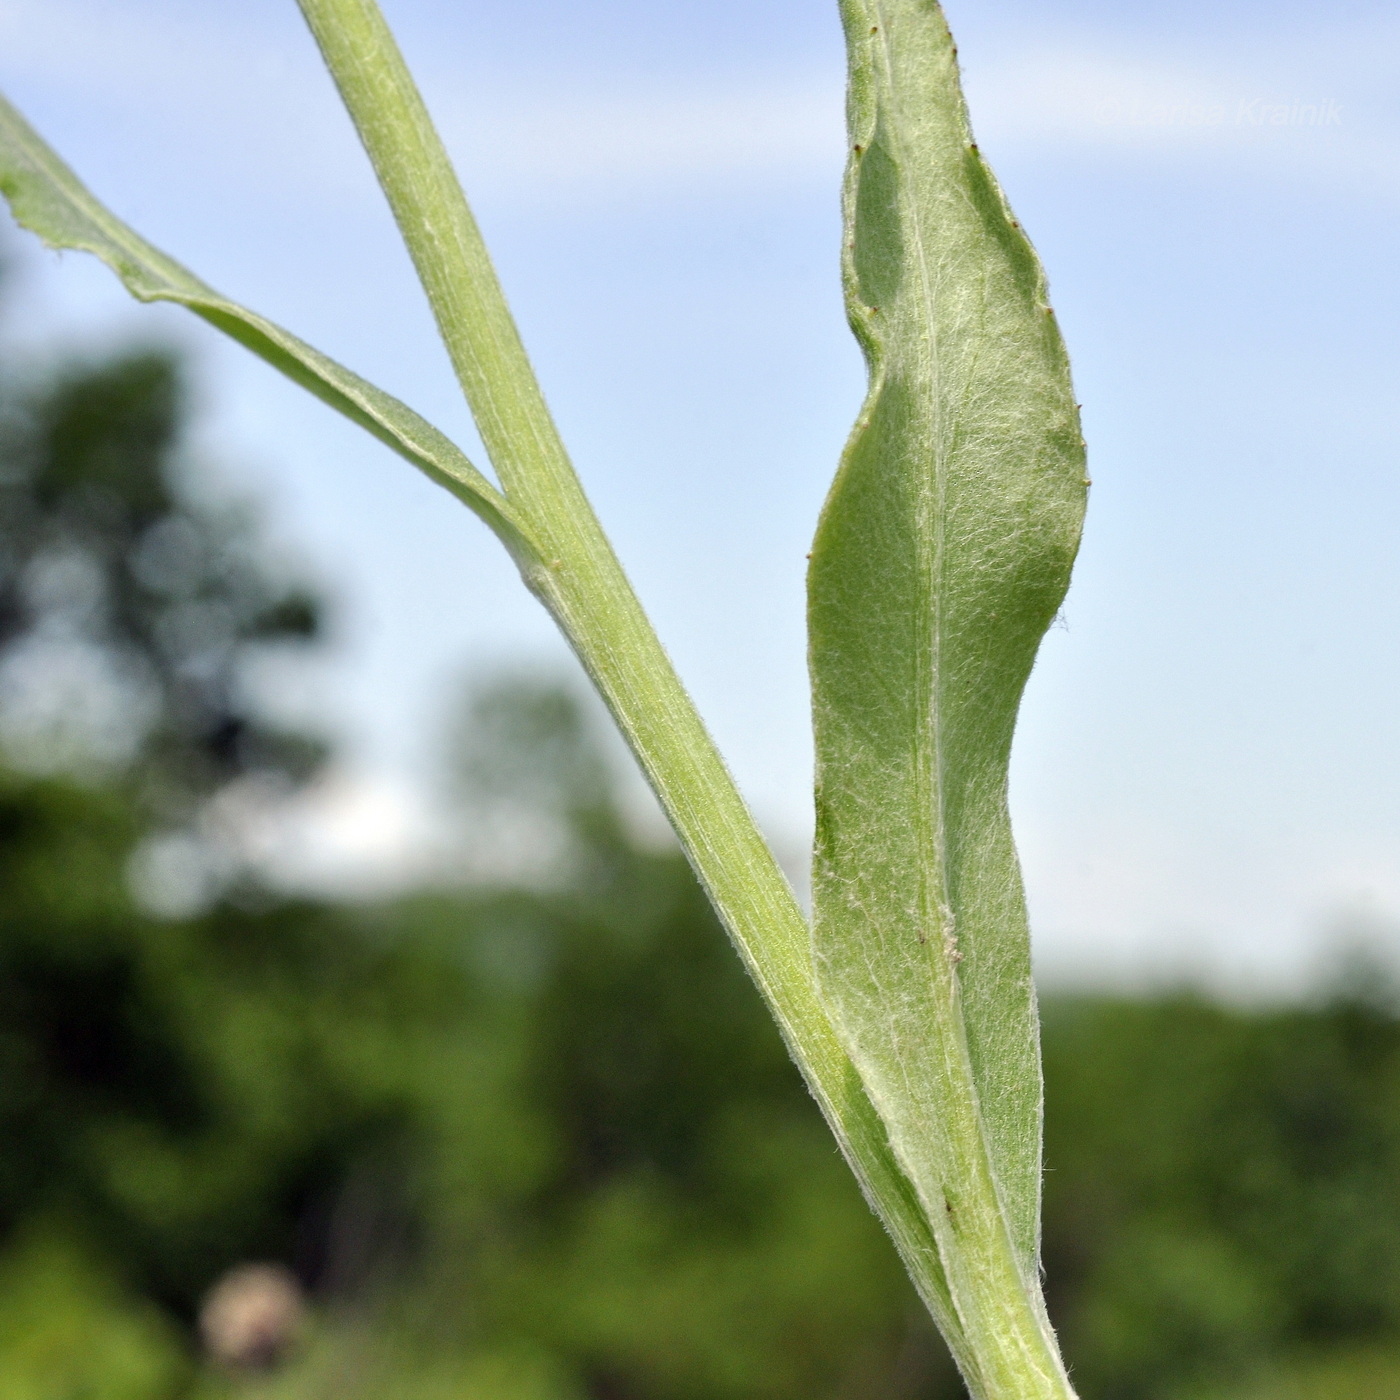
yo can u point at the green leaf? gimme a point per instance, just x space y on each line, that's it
47 198
942 555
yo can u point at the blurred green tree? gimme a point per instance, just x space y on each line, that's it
1223 1185
132 607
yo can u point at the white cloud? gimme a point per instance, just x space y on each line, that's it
212 93
786 128
350 833
1320 120
1135 901
217 91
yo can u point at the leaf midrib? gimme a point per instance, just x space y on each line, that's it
935 904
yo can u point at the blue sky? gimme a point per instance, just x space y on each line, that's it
1206 771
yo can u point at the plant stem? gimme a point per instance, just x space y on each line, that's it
580 581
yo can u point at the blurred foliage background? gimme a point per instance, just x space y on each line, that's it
533 1140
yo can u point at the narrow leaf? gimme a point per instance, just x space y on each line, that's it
47 198
942 555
